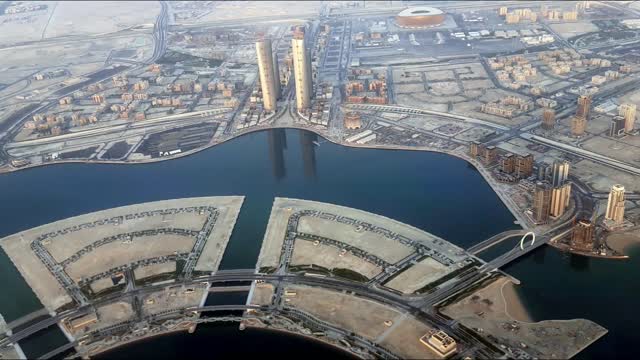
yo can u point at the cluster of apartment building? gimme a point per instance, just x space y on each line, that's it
507 107
149 93
513 71
563 61
518 15
487 154
609 75
374 38
366 86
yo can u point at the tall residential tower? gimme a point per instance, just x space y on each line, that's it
615 205
628 111
267 74
560 172
541 203
302 71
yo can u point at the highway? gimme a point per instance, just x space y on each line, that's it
185 119
219 277
415 111
583 153
160 34
397 301
494 240
70 345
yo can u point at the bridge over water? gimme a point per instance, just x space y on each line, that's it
494 240
72 344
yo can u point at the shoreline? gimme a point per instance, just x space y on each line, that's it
185 331
519 218
565 248
513 305
624 242
304 336
120 344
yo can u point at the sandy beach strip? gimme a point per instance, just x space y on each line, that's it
623 242
514 307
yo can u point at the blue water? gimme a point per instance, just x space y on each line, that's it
435 192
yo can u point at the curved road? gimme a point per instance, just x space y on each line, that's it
160 34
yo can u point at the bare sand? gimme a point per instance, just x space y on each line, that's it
624 241
513 303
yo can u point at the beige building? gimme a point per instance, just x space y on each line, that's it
266 68
570 15
548 119
474 148
523 166
352 120
584 105
578 125
615 205
560 200
302 72
507 163
441 343
490 154
582 235
628 111
512 18
560 173
541 203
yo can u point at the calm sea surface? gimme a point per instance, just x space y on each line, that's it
438 193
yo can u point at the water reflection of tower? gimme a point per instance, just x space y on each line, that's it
307 143
578 262
277 144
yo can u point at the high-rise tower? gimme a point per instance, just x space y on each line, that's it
582 236
267 74
548 119
584 105
615 205
302 72
578 125
628 111
560 173
541 203
560 196
276 75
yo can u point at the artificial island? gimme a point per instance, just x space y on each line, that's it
373 286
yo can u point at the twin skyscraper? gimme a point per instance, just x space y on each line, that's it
270 74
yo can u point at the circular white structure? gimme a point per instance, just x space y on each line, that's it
533 239
420 17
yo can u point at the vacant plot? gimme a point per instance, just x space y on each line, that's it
154 269
117 253
329 257
364 317
444 88
418 276
376 244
